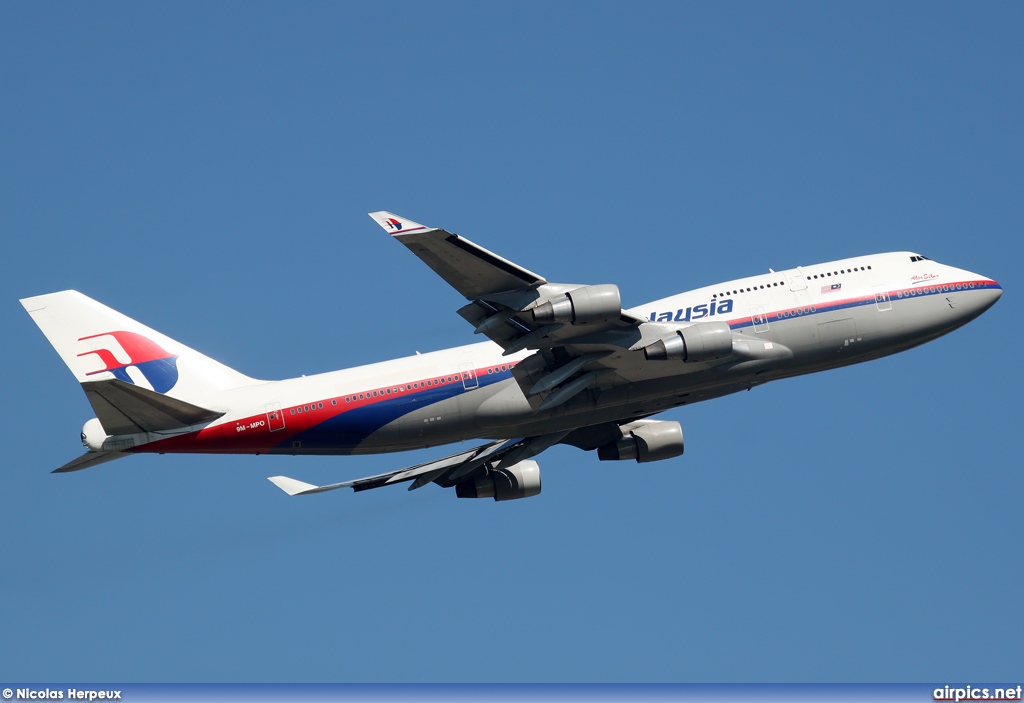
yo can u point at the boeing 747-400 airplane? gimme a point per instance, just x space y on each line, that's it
565 364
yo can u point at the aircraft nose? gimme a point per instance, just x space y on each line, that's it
984 295
991 292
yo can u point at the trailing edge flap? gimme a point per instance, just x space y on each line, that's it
88 460
124 408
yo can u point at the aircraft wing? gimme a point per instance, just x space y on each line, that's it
467 267
445 472
512 306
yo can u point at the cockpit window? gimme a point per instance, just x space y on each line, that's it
918 257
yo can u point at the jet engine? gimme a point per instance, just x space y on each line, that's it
581 306
520 480
648 441
700 342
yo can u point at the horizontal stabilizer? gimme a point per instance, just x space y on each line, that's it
88 460
124 408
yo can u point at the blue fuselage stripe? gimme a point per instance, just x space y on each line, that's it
350 427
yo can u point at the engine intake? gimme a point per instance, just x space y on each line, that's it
701 342
653 441
520 480
581 306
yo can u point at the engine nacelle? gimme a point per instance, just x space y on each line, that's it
701 342
648 442
581 306
520 480
93 435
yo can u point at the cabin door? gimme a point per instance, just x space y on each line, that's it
275 418
759 319
468 374
882 299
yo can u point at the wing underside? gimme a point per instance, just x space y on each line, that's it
520 310
446 472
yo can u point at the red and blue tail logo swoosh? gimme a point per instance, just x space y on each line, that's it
158 366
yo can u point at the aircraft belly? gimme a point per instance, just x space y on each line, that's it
487 411
419 425
906 321
821 336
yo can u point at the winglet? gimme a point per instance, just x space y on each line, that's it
393 224
291 486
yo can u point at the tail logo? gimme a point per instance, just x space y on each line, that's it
156 365
394 224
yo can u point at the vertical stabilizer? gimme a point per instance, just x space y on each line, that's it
98 343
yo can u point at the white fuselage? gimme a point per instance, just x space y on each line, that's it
828 315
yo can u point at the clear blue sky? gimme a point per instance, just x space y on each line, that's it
207 169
